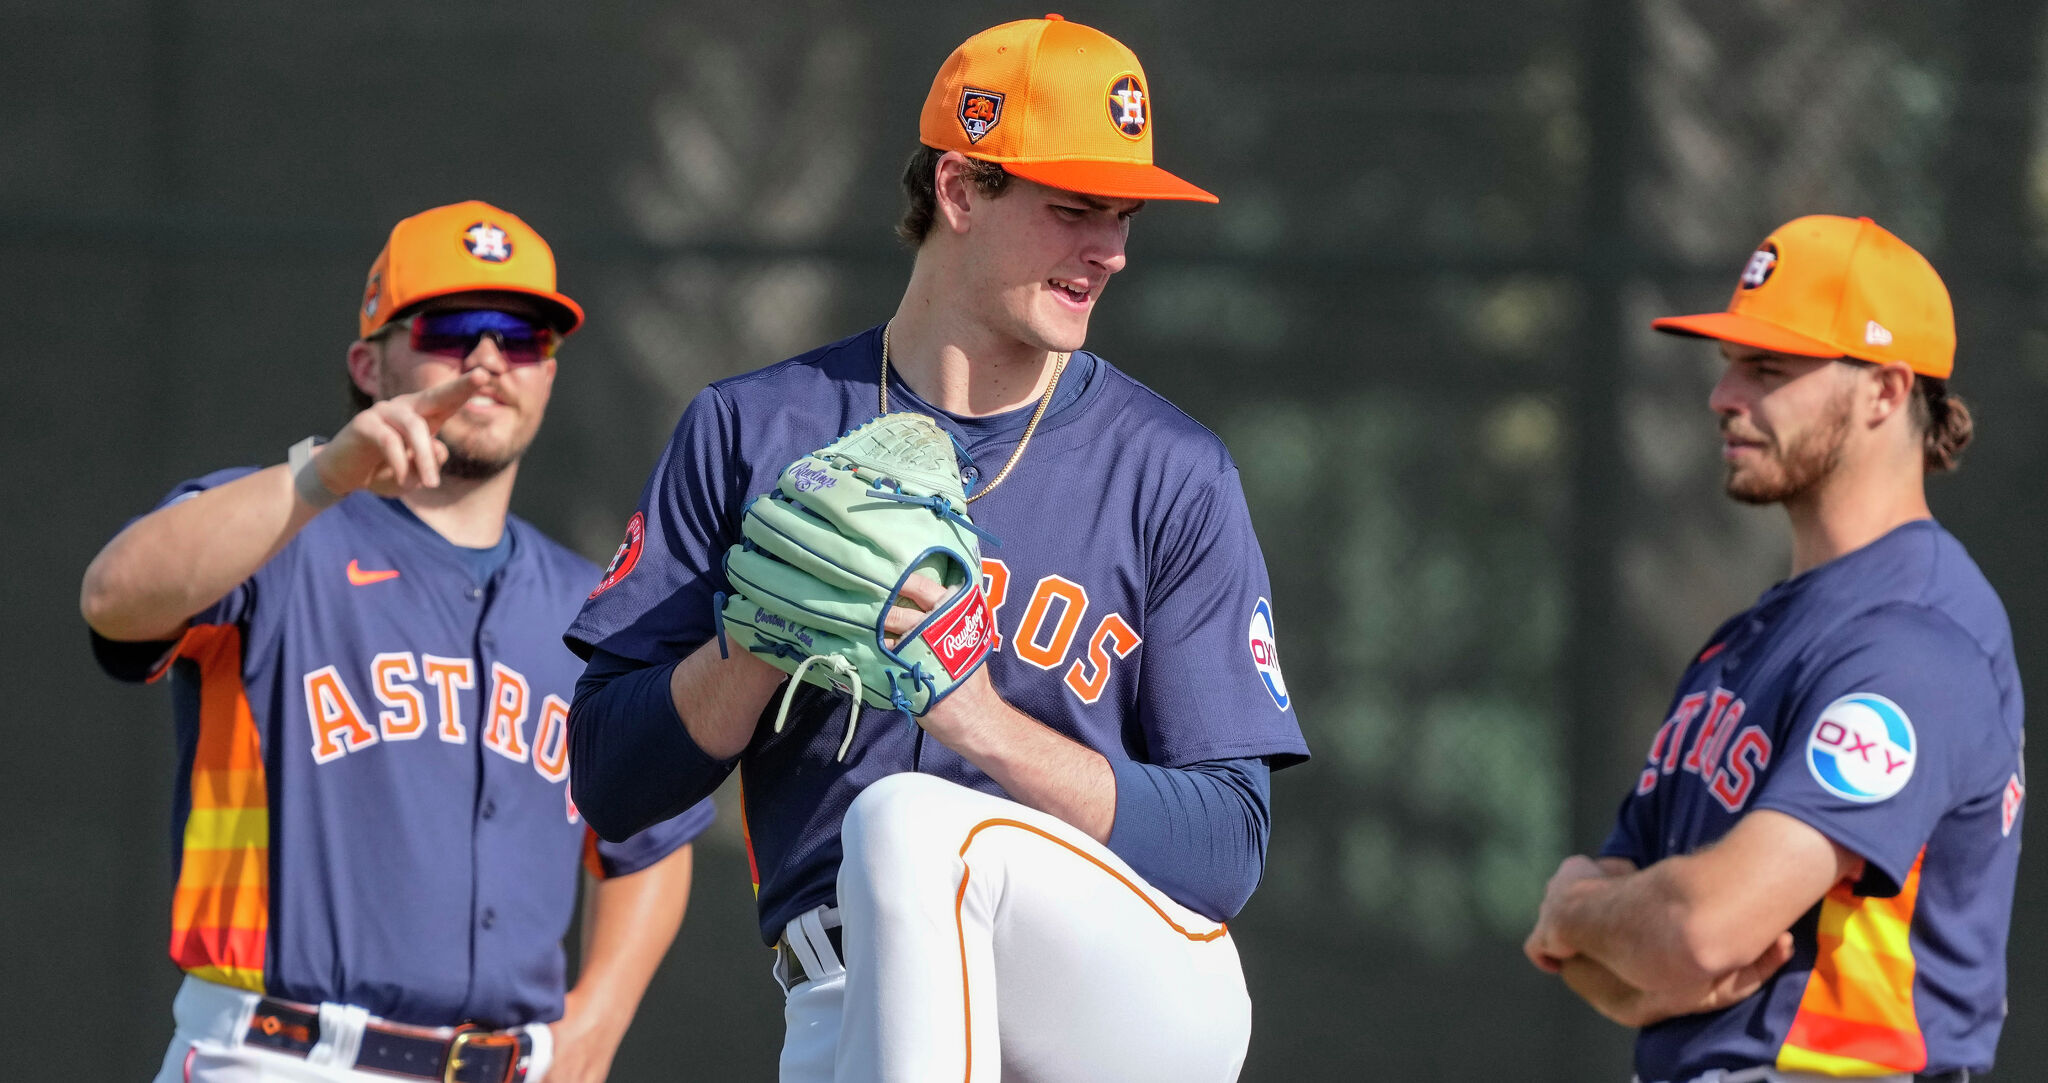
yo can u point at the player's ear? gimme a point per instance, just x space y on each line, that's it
956 195
1893 386
365 368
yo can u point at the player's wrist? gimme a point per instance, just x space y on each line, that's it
970 718
301 460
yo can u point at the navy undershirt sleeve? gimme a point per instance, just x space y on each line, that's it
632 764
1198 832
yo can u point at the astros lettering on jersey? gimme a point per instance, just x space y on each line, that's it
1171 583
1866 697
372 802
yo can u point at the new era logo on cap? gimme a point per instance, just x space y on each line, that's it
1874 334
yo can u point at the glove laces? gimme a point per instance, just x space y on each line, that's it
838 664
936 504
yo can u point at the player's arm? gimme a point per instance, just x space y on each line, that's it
1688 922
629 922
635 756
183 557
1630 1006
1033 764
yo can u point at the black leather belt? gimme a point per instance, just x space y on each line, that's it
470 1055
794 966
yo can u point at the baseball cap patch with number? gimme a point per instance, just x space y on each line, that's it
980 111
462 248
1054 102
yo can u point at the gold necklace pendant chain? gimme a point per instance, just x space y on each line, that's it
1059 365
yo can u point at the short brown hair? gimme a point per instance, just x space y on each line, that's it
1944 422
920 188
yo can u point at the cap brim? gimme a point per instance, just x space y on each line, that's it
1110 180
571 312
1746 331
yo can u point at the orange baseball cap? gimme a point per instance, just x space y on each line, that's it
1827 286
1054 102
456 249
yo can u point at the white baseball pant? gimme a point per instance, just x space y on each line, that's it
988 941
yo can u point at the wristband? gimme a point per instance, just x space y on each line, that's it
306 480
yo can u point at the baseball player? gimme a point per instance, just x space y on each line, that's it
1029 881
1813 875
376 851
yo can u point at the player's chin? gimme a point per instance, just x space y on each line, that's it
1063 329
1753 486
483 454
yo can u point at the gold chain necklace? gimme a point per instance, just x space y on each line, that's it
1059 365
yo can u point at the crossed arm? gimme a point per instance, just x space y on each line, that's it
1690 933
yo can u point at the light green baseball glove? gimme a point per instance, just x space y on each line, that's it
824 555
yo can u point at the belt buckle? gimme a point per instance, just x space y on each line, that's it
482 1037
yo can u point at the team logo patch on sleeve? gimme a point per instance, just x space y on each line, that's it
1862 749
1265 647
2009 805
980 112
627 555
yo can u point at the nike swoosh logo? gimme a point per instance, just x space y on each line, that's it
360 578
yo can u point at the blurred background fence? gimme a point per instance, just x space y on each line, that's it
1418 317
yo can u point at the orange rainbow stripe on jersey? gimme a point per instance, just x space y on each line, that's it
220 913
747 836
1857 1016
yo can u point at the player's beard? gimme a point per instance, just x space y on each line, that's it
472 463
1784 473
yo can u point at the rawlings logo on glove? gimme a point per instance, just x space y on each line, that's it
825 555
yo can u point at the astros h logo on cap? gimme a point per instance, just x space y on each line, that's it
1054 102
1827 286
461 248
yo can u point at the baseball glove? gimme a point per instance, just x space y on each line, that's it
824 554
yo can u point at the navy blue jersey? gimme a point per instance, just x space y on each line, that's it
1875 698
372 805
1130 598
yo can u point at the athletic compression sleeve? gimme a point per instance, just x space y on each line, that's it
1198 832
632 764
